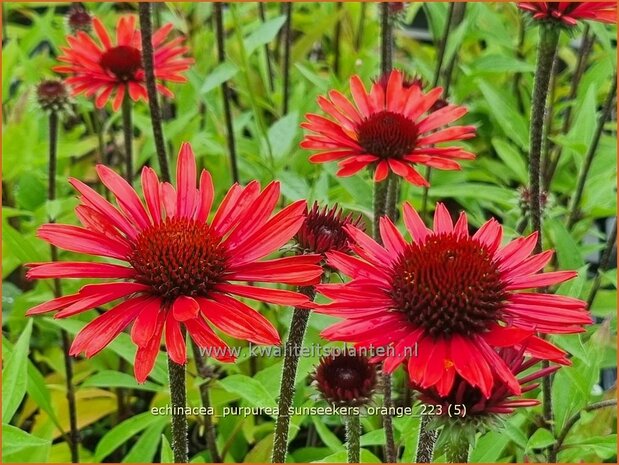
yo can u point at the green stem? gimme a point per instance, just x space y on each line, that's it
426 442
458 452
549 39
286 62
293 347
353 433
587 43
360 26
206 374
267 51
386 54
225 90
586 166
392 196
74 436
380 197
128 135
178 396
604 264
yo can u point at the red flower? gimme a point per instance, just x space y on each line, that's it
104 69
569 13
452 297
180 265
387 130
473 405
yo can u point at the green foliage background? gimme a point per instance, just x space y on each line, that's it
489 57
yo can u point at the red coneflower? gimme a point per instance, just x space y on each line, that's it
345 378
443 300
569 13
180 265
391 128
323 230
473 405
106 68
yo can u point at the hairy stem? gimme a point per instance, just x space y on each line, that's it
293 347
380 197
386 44
353 433
146 30
209 428
392 196
426 442
178 397
74 435
549 38
128 136
586 166
225 90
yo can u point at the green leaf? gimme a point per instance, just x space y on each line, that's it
514 125
282 133
328 438
249 389
512 159
145 448
15 375
603 446
489 447
111 378
568 251
123 432
167 455
19 446
495 63
365 456
222 73
264 34
541 439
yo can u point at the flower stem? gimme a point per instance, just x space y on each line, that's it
380 197
209 428
179 420
393 191
603 265
146 30
337 35
225 89
74 437
386 51
458 452
587 43
442 46
360 26
267 51
293 347
586 166
286 62
353 433
549 39
427 439
128 134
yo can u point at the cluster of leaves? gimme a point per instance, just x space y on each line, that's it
493 77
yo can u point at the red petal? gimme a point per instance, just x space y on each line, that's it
185 308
